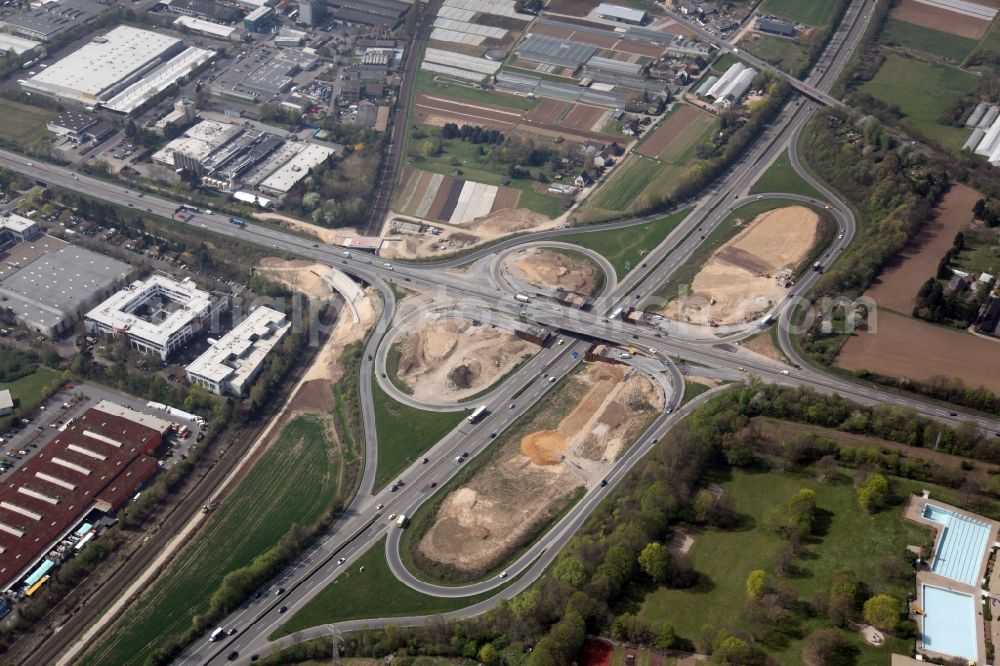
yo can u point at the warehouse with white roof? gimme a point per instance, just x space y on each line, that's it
124 68
295 169
620 14
231 364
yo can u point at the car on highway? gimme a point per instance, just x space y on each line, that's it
279 591
379 507
233 656
503 574
283 610
341 560
458 459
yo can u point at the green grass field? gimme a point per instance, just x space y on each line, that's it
374 593
923 91
789 55
681 150
29 391
816 13
780 177
626 183
935 42
627 247
24 125
692 390
405 433
252 519
850 540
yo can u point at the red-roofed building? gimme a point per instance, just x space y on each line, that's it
100 460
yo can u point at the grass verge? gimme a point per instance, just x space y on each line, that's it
372 594
781 178
405 433
626 247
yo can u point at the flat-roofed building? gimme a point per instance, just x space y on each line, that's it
158 315
231 364
52 19
96 463
190 150
295 169
620 14
205 9
104 66
773 27
6 403
17 45
389 13
206 27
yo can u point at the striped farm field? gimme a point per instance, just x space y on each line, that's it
626 183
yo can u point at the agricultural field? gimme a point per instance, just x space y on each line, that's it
897 286
24 126
780 177
252 519
850 540
625 248
939 20
909 348
658 163
441 198
816 13
919 38
923 91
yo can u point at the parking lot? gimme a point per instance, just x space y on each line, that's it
21 443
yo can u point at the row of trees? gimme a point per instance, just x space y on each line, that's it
471 133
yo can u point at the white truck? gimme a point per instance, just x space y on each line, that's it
522 298
401 521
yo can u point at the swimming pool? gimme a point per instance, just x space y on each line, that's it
961 545
950 623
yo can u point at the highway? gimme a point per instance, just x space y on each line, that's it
364 524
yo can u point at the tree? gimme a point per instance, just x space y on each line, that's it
874 494
824 647
655 561
882 612
756 584
488 655
735 651
666 637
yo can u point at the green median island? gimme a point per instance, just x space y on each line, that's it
372 593
304 473
626 247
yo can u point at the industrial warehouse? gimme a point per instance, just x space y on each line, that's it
226 156
46 282
93 466
121 70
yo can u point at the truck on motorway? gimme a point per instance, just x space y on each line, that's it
241 223
522 298
616 314
477 413
818 267
401 521
217 634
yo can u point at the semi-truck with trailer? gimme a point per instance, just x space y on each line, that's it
477 414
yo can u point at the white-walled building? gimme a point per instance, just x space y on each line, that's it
157 315
231 364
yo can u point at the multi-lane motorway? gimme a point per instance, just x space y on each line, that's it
364 524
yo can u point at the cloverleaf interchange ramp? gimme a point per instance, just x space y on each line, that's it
356 532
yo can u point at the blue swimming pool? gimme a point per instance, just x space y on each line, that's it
961 546
950 624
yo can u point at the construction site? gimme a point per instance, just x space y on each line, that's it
556 270
748 275
540 464
443 360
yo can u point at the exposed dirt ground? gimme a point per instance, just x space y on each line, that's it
304 276
897 286
764 345
451 359
332 236
531 479
939 18
914 349
499 224
557 270
740 277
